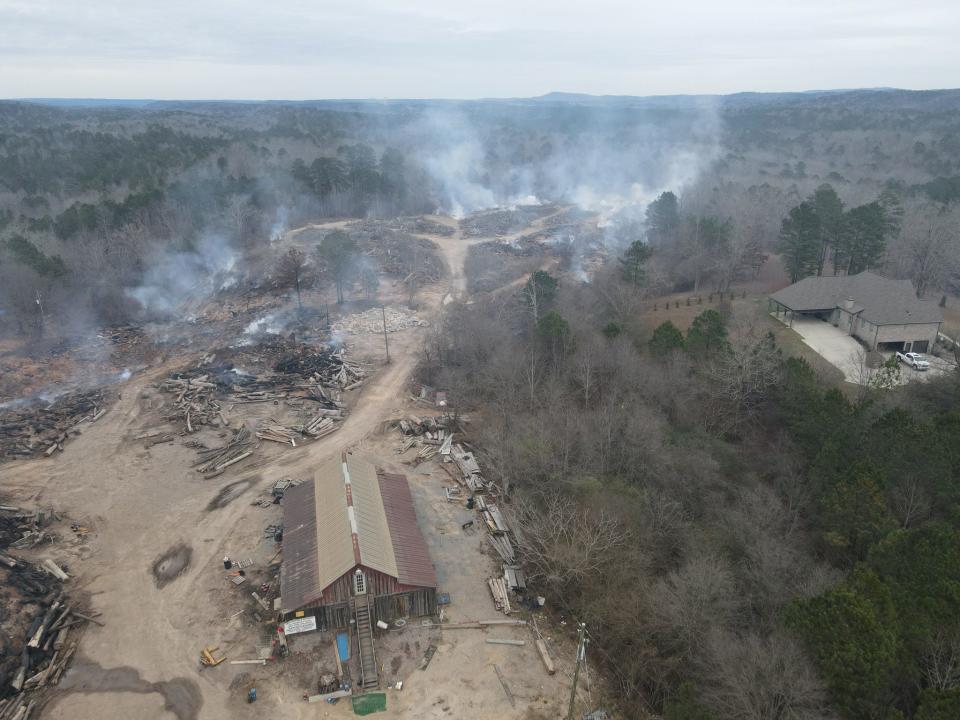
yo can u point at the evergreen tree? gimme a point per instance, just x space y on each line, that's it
633 261
666 338
800 241
663 219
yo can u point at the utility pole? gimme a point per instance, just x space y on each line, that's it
386 345
581 653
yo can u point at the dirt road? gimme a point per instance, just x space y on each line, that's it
158 536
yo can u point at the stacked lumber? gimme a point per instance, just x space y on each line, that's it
468 466
503 547
275 432
320 426
214 461
27 430
501 595
492 516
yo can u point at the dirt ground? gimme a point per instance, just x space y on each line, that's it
152 565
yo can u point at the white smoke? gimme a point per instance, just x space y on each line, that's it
174 278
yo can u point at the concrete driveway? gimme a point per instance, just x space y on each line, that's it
835 346
849 356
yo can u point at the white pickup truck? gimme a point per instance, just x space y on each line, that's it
914 360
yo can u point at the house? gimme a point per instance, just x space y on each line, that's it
882 313
351 535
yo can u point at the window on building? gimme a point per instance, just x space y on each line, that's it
359 583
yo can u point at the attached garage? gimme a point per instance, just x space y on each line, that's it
883 314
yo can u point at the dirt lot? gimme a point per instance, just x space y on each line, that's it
152 566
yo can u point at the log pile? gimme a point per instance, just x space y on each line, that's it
195 404
31 430
214 461
39 621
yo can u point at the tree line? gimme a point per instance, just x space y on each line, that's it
742 540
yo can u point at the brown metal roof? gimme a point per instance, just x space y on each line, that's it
347 500
410 549
298 574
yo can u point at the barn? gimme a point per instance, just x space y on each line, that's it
351 539
884 314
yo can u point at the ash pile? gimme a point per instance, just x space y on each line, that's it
41 623
371 321
31 429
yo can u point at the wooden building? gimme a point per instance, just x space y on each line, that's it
351 534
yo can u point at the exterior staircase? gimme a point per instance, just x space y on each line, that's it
369 678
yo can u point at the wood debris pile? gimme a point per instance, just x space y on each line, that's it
301 373
29 430
39 620
398 253
195 403
214 461
371 321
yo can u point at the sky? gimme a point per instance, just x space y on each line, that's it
312 49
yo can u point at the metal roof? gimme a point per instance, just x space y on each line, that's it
344 517
879 300
410 549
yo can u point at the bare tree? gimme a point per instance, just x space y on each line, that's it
741 379
941 662
291 272
761 678
566 547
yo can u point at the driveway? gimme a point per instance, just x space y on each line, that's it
835 346
849 356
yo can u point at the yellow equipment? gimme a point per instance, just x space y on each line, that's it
207 656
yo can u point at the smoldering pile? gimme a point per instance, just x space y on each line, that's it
372 321
422 226
497 223
30 429
41 624
398 253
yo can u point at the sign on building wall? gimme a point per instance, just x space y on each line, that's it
305 624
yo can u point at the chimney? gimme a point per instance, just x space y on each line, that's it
848 304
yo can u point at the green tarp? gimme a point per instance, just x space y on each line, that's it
369 703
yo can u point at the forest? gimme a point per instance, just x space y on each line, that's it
744 536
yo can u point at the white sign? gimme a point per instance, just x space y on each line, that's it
304 624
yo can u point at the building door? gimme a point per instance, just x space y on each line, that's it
920 346
359 583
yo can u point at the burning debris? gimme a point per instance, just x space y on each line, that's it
29 430
371 321
497 223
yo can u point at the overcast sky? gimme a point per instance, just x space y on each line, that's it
298 49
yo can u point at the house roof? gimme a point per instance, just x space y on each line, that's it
344 517
879 300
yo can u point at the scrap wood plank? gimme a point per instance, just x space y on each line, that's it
545 656
506 688
505 641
